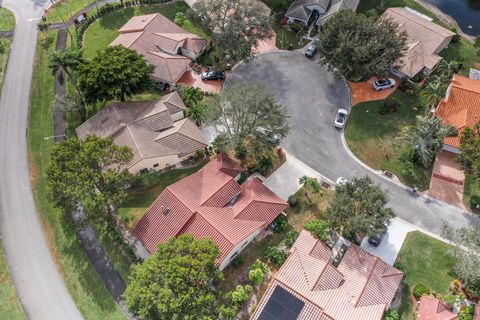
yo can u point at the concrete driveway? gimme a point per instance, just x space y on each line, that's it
392 242
312 96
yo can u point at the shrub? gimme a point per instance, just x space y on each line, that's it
296 26
264 165
474 201
281 224
456 38
256 276
290 237
240 294
388 105
180 19
276 256
199 154
466 312
320 229
419 290
220 143
292 201
240 151
260 265
313 32
238 261
391 314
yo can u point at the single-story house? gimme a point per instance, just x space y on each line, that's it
460 108
434 309
425 39
164 44
211 204
317 11
339 283
157 131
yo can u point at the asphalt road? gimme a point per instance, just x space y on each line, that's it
312 96
39 285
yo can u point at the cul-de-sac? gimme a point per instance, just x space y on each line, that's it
240 159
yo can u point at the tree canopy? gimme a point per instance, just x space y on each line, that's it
359 208
250 111
177 282
359 47
469 156
115 73
236 25
87 172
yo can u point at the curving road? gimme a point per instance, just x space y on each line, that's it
39 285
312 96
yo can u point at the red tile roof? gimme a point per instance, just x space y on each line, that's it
199 205
159 39
434 309
461 107
361 287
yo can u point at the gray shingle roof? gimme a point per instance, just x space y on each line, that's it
298 9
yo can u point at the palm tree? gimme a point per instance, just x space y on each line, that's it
447 69
435 91
427 136
311 185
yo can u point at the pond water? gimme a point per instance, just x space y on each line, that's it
466 12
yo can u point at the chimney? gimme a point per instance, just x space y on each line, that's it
165 210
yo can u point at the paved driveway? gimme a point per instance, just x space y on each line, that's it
312 96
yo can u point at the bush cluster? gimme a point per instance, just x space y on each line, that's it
257 272
292 201
276 256
419 290
290 238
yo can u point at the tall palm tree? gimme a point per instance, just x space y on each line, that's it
447 69
434 91
427 137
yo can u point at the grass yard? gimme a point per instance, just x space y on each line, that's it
472 189
373 137
65 9
3 59
10 308
465 52
285 37
139 199
7 20
81 279
424 260
104 30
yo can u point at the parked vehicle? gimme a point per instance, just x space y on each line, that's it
385 83
341 181
341 118
311 51
213 75
377 239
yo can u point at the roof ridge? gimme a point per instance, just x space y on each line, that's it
376 259
134 141
465 89
220 188
409 18
143 32
186 135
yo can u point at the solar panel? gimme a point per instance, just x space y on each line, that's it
282 305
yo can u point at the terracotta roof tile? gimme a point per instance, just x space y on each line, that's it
434 309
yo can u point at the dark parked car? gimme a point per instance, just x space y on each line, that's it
311 51
213 75
377 239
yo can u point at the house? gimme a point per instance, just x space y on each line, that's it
319 282
460 108
157 131
163 44
317 11
425 39
434 309
211 204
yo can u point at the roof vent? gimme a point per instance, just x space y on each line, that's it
165 210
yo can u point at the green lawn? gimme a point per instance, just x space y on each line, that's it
424 260
285 37
3 59
81 279
462 51
10 308
104 30
472 188
139 199
66 9
7 20
373 137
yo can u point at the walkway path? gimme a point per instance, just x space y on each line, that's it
39 285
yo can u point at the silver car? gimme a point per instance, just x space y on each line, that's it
340 118
386 83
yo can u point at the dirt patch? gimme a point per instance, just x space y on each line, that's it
33 171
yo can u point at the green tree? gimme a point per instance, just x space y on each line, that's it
434 91
257 272
177 282
447 69
251 111
220 143
311 185
240 294
426 137
43 27
358 208
197 113
115 73
358 47
87 172
191 95
469 156
319 228
180 18
236 26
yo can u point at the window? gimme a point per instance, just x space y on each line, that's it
155 165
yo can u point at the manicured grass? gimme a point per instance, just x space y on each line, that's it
10 308
7 20
374 138
285 37
66 9
424 260
472 188
139 199
104 30
366 5
3 60
462 51
116 254
81 279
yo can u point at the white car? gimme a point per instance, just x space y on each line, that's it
341 181
386 83
341 118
